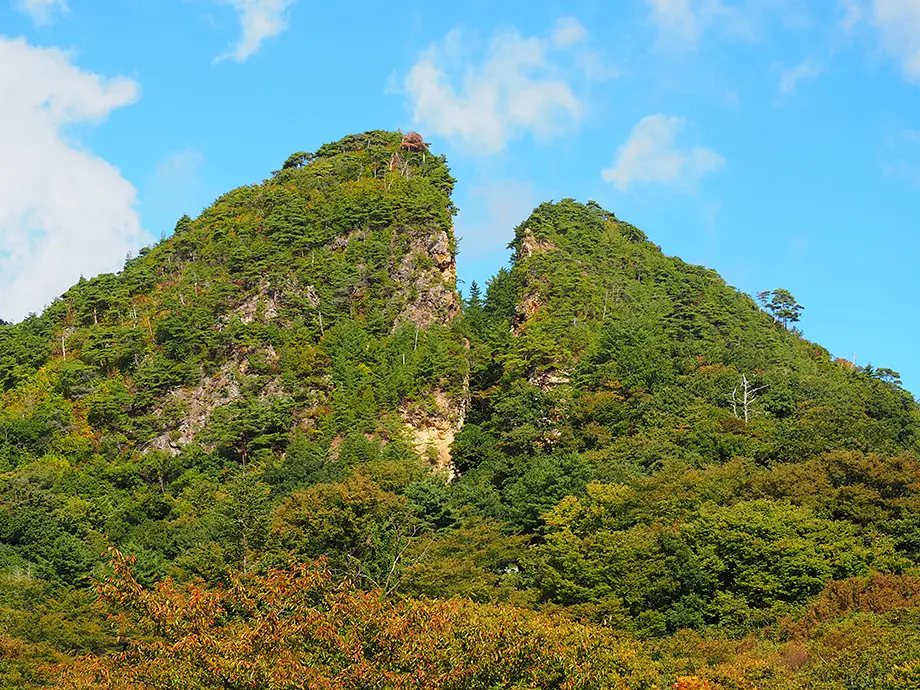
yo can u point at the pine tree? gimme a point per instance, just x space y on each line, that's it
781 305
473 312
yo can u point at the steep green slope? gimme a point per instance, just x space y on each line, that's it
292 375
591 314
352 246
296 328
609 378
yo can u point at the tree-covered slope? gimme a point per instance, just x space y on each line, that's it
348 247
296 328
609 445
681 457
591 313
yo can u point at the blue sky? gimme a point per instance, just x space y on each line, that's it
777 141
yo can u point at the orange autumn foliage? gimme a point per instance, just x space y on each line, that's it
413 141
299 628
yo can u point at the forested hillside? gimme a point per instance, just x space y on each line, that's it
608 470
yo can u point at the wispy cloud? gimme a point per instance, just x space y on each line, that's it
259 20
63 212
852 14
683 23
651 155
675 19
594 66
789 80
567 32
42 11
898 22
480 103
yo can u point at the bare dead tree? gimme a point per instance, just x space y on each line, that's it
406 535
743 396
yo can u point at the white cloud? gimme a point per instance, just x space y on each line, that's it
675 18
63 211
567 32
651 155
482 104
789 80
899 24
682 23
259 20
42 10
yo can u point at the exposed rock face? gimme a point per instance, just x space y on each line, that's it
531 301
199 403
535 287
547 380
428 273
527 307
530 245
266 304
262 304
433 432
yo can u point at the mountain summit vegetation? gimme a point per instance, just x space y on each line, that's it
279 450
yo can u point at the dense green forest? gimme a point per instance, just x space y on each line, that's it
279 450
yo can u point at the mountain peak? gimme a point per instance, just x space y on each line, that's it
356 238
